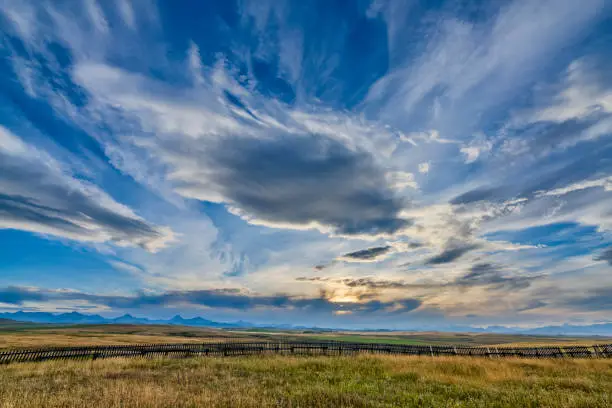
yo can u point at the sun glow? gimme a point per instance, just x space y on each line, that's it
344 299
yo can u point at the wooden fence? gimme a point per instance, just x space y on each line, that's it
296 348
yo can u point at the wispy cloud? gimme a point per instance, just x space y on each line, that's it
451 254
364 255
403 148
37 194
606 256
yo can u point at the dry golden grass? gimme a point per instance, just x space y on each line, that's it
277 381
556 342
33 335
93 335
34 340
467 339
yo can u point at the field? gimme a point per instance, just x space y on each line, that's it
43 335
294 381
16 335
361 381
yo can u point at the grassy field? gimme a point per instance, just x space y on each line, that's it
440 338
17 335
283 381
35 335
362 381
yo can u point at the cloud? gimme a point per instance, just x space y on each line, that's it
207 141
401 179
468 70
376 283
494 275
233 299
482 274
271 165
424 168
366 255
39 195
303 181
473 152
581 96
451 254
431 136
605 182
595 300
477 194
477 148
379 253
606 256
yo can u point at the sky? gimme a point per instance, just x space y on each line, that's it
396 164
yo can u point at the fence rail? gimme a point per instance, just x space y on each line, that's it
296 348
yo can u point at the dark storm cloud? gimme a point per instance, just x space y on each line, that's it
605 256
300 180
451 254
220 298
368 254
38 198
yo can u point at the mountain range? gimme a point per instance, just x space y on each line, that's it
80 318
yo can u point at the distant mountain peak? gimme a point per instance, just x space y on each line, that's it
80 318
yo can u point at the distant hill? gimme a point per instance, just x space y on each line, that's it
603 329
7 321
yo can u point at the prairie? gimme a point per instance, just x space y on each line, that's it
283 381
18 335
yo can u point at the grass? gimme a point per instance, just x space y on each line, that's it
90 335
281 381
368 339
16 335
466 339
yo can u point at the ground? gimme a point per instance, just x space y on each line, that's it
282 381
294 381
15 335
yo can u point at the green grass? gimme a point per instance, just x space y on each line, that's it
276 381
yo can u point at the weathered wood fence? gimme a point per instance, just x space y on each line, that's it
298 348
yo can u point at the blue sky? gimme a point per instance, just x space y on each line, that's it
397 164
